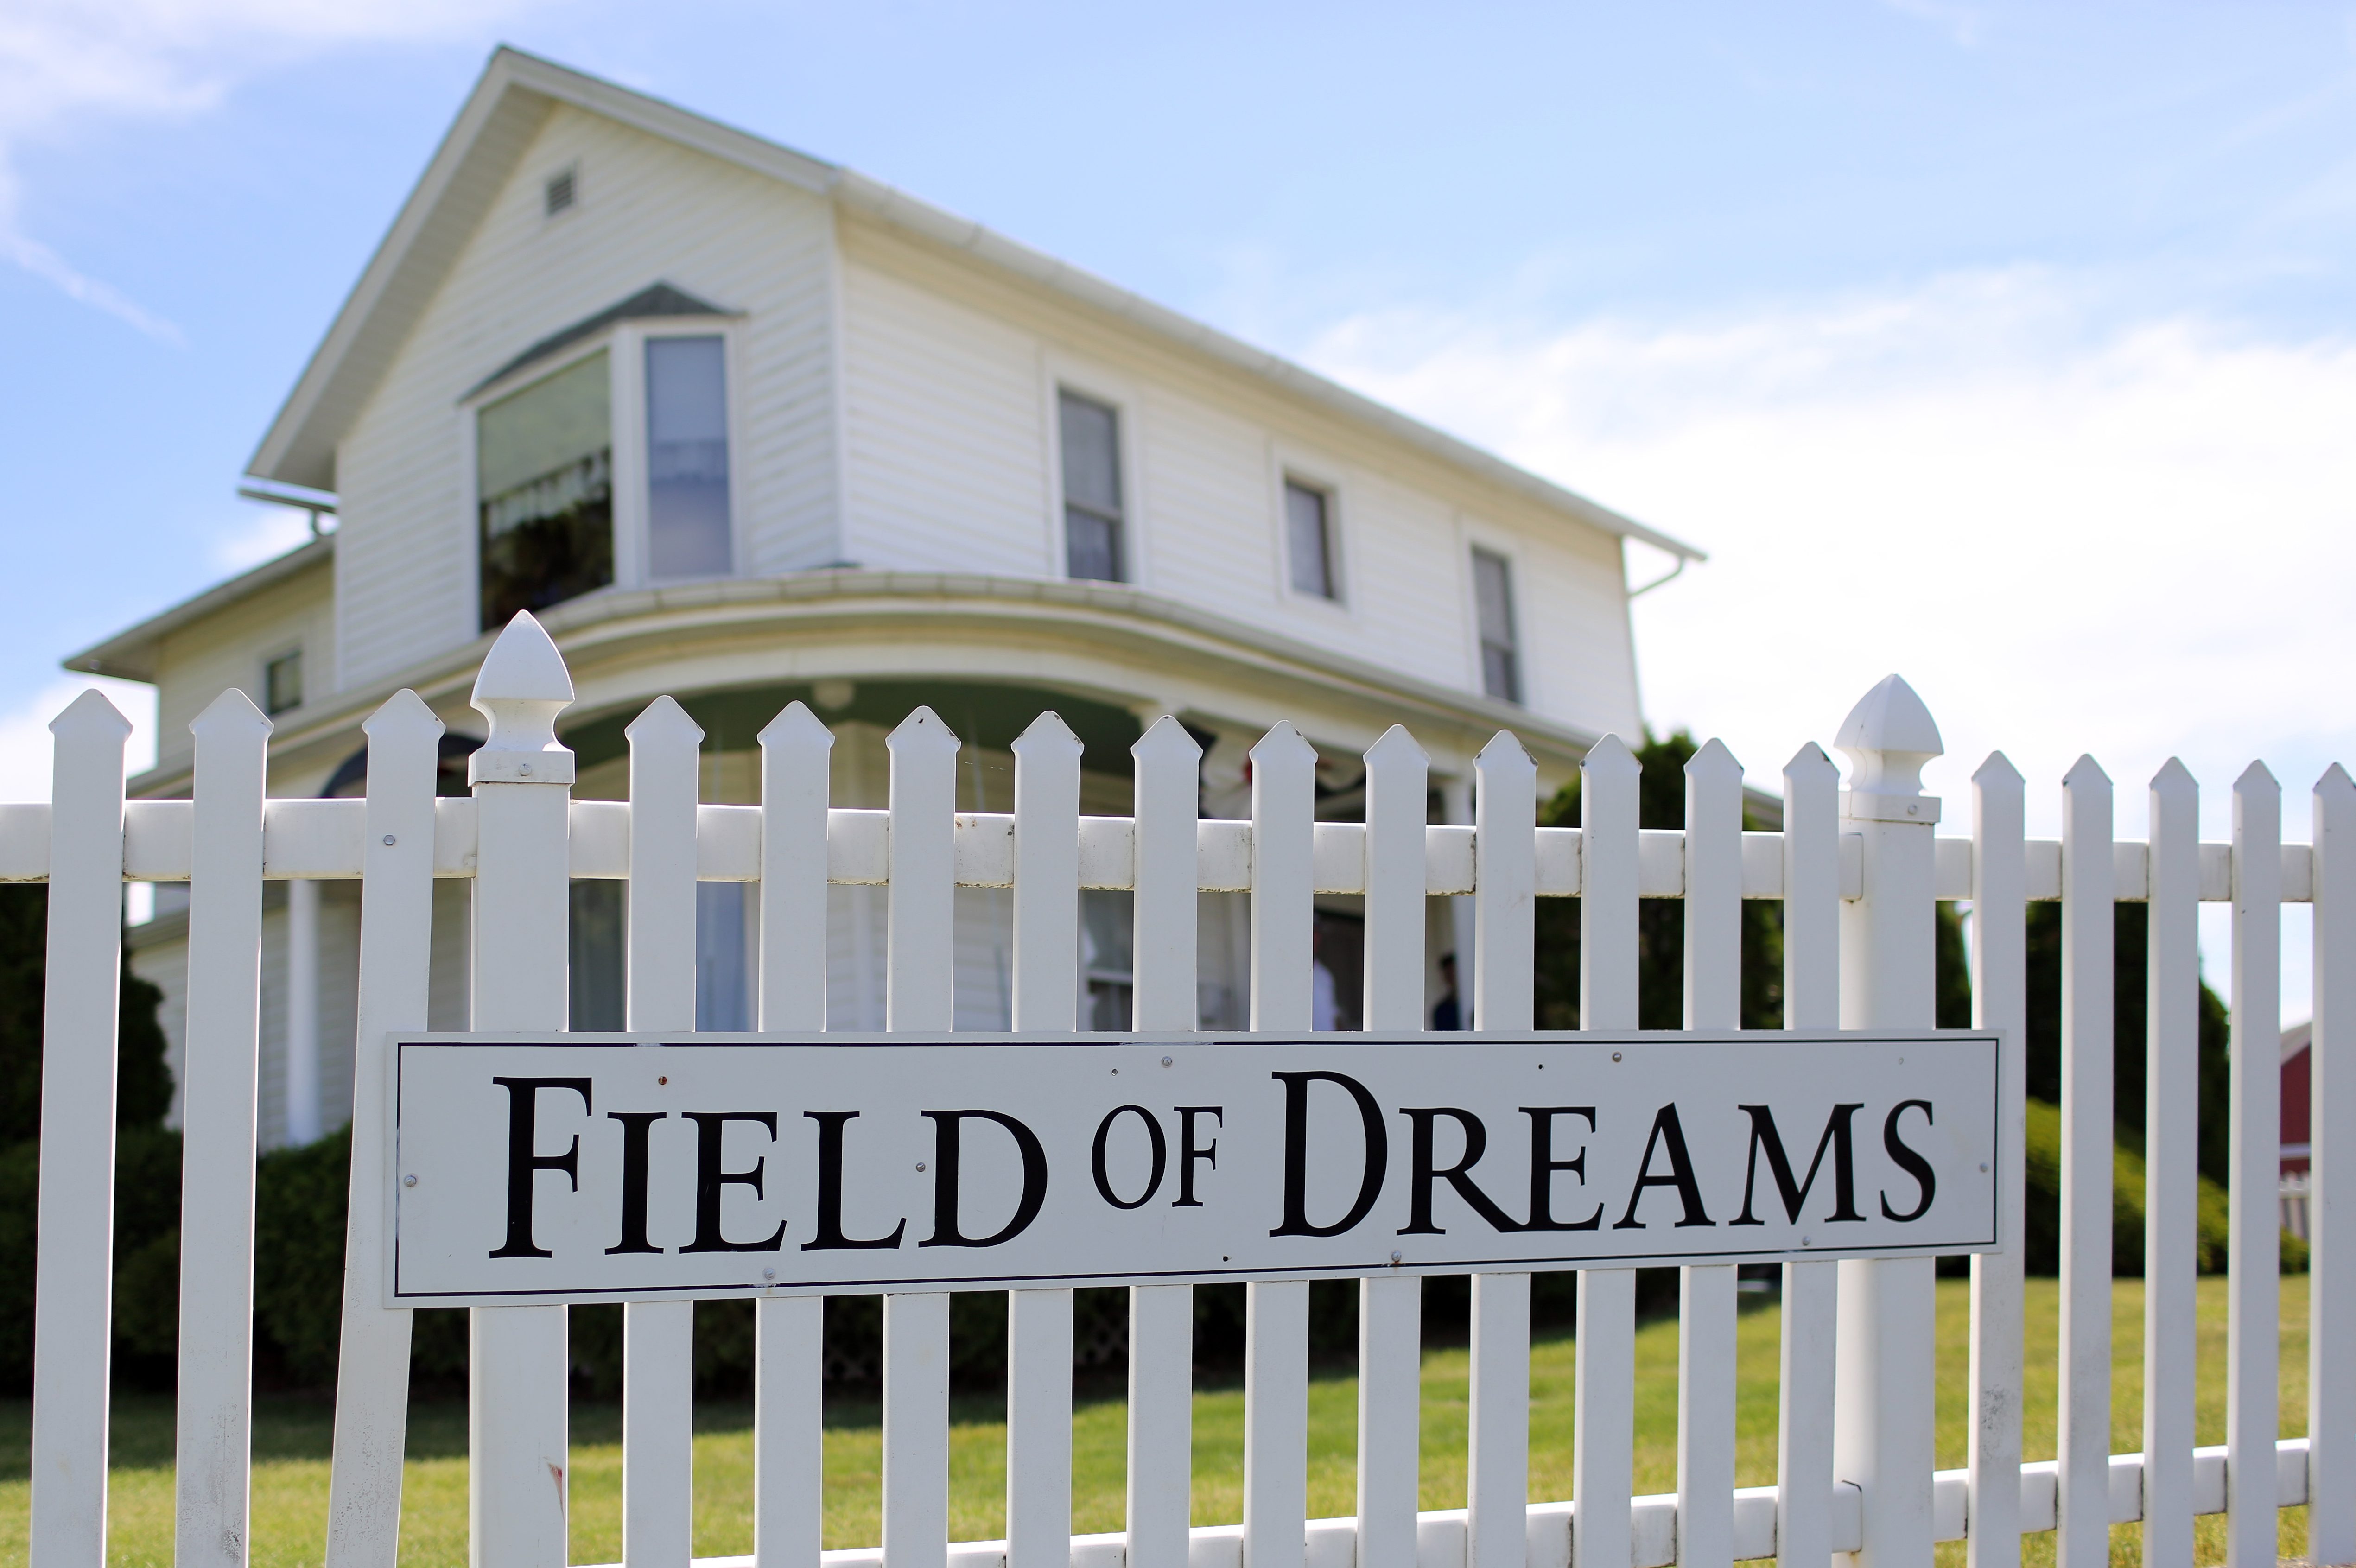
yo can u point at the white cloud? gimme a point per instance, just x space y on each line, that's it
2135 540
25 744
64 63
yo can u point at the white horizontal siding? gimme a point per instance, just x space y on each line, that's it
649 211
205 657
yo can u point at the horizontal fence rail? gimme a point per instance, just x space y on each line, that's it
1856 871
326 841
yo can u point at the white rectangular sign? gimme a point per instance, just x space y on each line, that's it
601 1167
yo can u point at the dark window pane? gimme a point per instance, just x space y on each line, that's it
687 458
1310 540
281 682
597 944
1091 456
1091 545
1493 594
543 471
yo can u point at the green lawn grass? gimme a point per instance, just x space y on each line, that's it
291 1443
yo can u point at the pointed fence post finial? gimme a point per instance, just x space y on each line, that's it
1888 738
522 686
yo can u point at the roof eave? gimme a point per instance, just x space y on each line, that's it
130 654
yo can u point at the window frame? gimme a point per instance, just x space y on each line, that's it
1059 376
1473 540
1289 468
271 656
624 343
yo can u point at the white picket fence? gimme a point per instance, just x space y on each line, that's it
1856 872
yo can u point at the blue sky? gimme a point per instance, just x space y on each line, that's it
2009 346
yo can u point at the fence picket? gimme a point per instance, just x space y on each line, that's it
1999 959
1276 1312
1047 1001
396 947
1168 803
1803 1433
2081 1489
919 994
1504 899
1713 1000
72 1316
221 1064
2331 1202
1604 1381
2172 1153
659 1336
788 1388
517 1451
1390 1310
2254 1286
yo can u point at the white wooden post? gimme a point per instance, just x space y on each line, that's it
1604 1375
304 1121
1167 764
1276 1312
2171 1157
1505 897
220 1065
2331 1201
396 942
1713 1000
659 1336
517 1454
1884 1404
2253 1288
919 994
1047 1001
1390 1309
1999 1001
1803 1433
2082 1488
73 1312
788 1436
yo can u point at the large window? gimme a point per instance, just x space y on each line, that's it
1092 512
687 458
1308 539
545 476
1493 597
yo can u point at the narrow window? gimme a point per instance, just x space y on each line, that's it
543 469
281 682
1092 518
687 458
1309 535
1493 594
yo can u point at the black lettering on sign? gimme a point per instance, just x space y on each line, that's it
710 1126
829 1236
1422 1174
948 1139
1188 1152
1160 1157
1764 1136
1908 1160
635 1126
524 1165
1666 1133
1296 1152
1543 1165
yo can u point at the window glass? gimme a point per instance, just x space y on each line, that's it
281 682
543 469
687 458
1092 513
1309 539
1492 592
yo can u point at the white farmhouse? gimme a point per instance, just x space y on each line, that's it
747 427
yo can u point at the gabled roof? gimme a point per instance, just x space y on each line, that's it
506 110
661 299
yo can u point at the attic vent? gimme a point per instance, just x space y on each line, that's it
560 192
